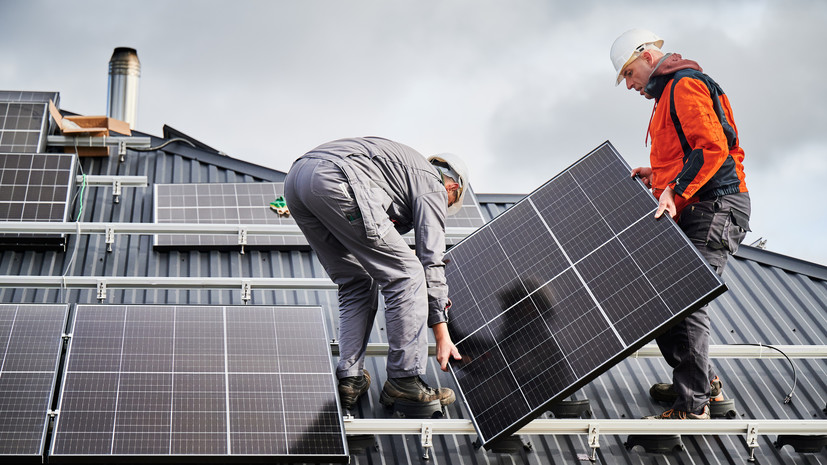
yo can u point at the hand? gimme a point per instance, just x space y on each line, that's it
667 203
645 175
445 348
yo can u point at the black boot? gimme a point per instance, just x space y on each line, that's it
413 389
351 387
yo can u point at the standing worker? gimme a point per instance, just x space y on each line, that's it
697 175
353 199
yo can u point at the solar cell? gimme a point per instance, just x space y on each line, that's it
249 203
198 382
562 286
30 344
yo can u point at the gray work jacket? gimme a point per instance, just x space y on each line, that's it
396 187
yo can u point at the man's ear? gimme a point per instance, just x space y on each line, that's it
452 186
647 55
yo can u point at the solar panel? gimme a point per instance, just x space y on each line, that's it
23 126
35 187
30 344
198 382
249 203
562 286
27 96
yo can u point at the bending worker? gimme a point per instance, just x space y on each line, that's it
353 199
697 175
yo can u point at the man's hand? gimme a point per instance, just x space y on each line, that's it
645 175
667 203
445 349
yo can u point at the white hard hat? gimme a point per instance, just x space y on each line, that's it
629 45
452 166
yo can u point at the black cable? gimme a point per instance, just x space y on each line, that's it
152 149
789 396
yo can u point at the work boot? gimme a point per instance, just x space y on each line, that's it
663 392
351 387
413 389
673 414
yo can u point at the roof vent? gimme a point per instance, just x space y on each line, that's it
124 73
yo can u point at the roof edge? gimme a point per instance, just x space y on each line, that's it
785 262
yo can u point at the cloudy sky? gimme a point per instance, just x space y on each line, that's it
519 88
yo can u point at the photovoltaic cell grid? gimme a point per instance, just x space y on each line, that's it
23 126
564 285
249 203
212 382
35 186
30 343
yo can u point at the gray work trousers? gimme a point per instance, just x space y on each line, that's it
324 206
716 231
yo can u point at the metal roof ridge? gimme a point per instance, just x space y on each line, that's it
785 262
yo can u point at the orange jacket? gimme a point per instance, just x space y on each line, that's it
695 148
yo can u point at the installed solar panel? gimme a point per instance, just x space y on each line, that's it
197 383
30 343
23 126
249 203
564 285
35 187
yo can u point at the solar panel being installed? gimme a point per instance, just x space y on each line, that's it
564 285
249 203
30 343
173 383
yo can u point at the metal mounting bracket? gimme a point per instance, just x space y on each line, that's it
594 440
101 290
116 191
110 238
242 238
752 440
122 150
426 438
246 291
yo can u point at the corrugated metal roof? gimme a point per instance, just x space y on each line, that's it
772 300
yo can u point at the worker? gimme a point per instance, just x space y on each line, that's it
353 199
697 175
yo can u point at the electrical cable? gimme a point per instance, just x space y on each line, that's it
789 396
159 147
78 196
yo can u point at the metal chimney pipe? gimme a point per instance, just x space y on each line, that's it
124 73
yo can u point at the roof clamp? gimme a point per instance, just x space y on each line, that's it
752 441
426 438
101 290
122 150
116 191
594 437
110 238
242 239
246 291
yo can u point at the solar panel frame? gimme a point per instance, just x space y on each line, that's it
550 253
31 341
179 383
249 203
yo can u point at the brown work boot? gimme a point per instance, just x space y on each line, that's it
351 387
413 389
673 414
663 392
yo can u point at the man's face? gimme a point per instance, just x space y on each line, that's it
637 74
